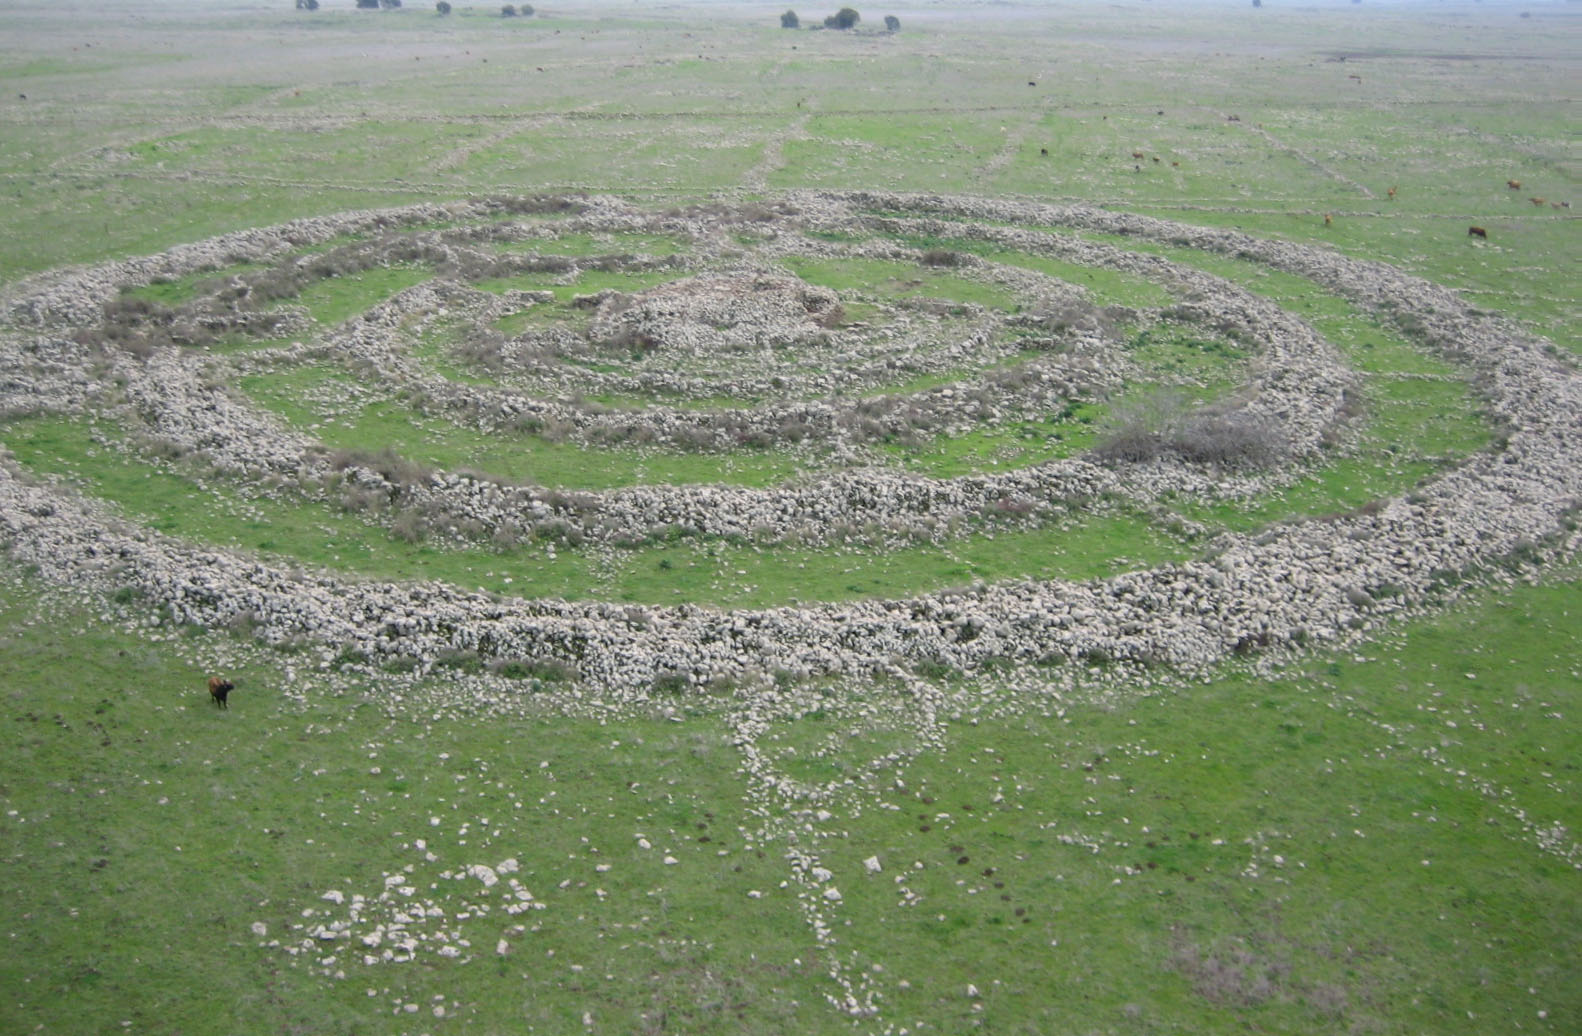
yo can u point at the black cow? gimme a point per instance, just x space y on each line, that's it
219 687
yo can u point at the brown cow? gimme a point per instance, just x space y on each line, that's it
1391 192
1137 154
1540 202
1514 185
219 687
1478 232
1328 220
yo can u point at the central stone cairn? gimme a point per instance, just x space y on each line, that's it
715 314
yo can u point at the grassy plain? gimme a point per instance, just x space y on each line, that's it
1375 838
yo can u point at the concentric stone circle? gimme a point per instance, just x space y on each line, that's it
1288 584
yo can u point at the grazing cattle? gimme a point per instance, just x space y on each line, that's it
1514 185
1328 221
1044 151
1137 154
1540 202
1391 193
1175 165
219 687
1478 232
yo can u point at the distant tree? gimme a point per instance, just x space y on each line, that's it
844 18
508 11
525 10
789 20
1257 3
307 5
443 7
370 5
892 23
389 5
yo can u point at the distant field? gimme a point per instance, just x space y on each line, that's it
1371 835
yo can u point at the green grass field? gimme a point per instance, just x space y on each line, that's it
1375 837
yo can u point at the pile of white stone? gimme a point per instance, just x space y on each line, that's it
1292 583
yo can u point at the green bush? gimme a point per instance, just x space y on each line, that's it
844 18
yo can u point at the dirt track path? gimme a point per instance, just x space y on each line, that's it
1301 156
1014 136
457 157
773 158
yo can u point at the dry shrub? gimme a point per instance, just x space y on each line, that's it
482 347
410 527
630 339
1165 423
1228 440
386 462
829 318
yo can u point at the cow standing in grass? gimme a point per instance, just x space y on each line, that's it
219 687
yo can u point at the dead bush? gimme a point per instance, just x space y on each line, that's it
1166 423
410 527
1230 441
